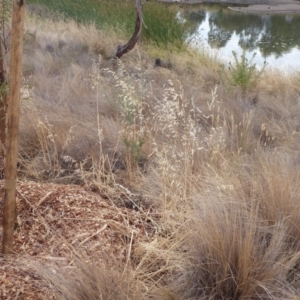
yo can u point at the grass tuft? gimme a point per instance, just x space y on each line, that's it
93 281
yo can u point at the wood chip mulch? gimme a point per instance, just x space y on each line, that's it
56 222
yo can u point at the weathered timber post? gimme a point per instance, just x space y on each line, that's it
13 119
5 8
3 107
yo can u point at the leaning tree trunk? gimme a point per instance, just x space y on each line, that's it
121 50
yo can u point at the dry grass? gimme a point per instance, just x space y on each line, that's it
243 240
232 255
219 166
93 281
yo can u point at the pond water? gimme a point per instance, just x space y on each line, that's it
274 38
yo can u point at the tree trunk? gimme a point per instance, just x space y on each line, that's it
13 118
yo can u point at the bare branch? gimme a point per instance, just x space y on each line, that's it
121 50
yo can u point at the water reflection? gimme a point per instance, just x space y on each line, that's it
275 38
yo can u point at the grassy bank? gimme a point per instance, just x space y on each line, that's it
160 24
208 157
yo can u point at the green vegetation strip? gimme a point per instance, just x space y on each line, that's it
161 25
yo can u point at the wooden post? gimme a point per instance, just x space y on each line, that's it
13 118
3 108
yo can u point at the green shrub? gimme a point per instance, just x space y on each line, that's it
242 73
